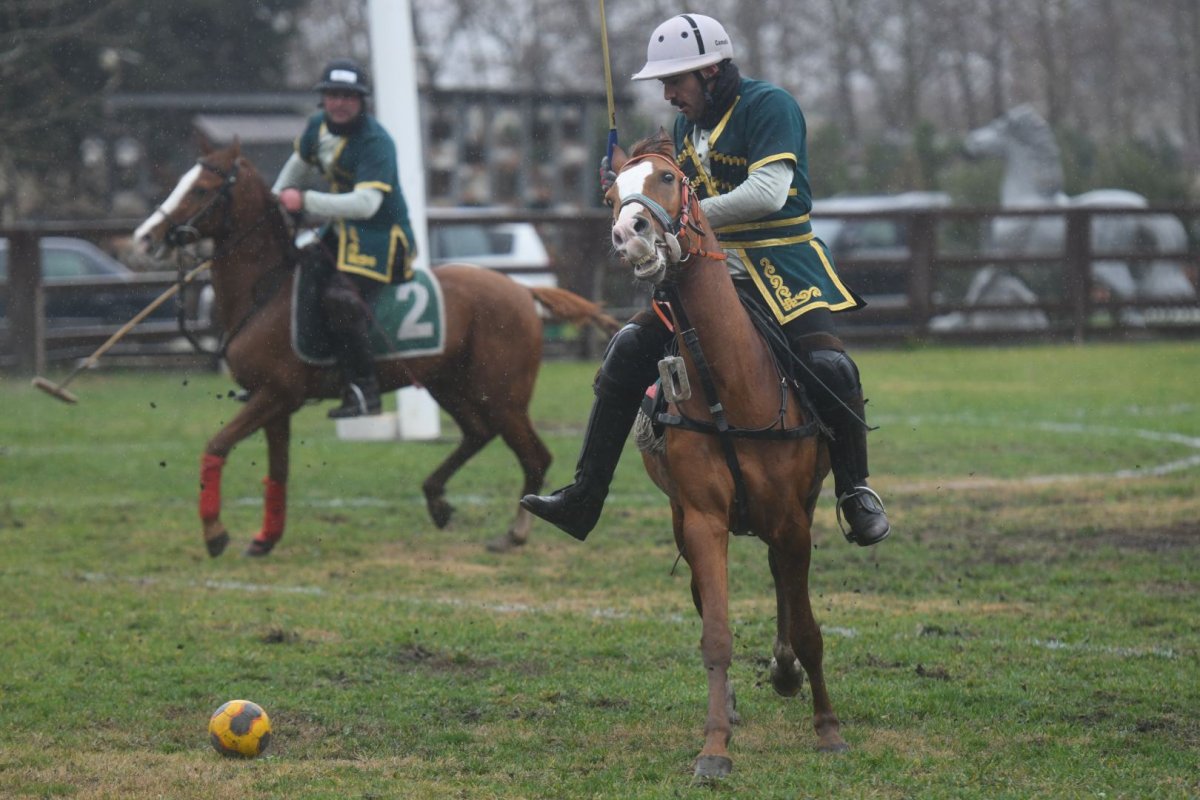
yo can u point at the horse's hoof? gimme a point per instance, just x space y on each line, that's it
217 544
505 543
440 512
787 682
710 768
836 746
258 548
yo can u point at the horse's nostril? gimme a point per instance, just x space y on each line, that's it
618 236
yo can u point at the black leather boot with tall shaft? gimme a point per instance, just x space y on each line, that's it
576 508
630 365
841 406
347 316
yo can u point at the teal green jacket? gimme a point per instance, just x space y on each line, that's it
381 247
790 266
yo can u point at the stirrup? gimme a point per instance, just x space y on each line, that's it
354 404
850 495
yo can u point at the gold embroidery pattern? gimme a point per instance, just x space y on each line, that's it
721 158
354 254
787 300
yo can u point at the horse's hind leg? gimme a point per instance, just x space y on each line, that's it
516 429
798 635
278 432
475 435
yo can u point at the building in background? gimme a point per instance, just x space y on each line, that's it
482 147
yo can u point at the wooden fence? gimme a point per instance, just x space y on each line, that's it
927 275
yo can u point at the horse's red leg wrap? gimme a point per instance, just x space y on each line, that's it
274 511
210 486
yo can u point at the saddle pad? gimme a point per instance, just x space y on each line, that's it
408 320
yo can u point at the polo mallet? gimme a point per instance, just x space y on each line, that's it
60 390
608 87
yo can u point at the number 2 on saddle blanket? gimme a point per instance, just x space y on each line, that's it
408 320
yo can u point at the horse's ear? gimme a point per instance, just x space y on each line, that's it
203 142
618 158
665 141
237 145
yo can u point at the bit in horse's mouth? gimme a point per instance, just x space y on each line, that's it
646 266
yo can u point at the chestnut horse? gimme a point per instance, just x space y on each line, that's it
746 461
483 379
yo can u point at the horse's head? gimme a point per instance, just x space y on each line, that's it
651 202
201 204
1033 167
1021 126
988 141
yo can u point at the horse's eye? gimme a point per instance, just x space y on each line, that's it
199 191
668 177
608 202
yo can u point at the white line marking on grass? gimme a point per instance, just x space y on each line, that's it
610 614
1153 470
1128 652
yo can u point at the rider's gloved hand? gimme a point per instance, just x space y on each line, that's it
607 176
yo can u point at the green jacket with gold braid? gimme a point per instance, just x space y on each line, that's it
790 266
380 248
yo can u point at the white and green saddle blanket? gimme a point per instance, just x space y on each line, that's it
408 320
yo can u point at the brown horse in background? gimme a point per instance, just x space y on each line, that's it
660 231
483 379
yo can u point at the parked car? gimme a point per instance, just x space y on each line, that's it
871 251
514 248
115 298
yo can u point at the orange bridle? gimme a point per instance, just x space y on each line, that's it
683 228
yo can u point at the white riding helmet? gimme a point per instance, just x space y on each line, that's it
685 43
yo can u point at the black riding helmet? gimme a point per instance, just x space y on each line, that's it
344 74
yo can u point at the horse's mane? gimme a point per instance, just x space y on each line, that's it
659 143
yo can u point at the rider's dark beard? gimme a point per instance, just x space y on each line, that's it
720 96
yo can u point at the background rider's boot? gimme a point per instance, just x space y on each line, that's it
361 394
360 398
576 508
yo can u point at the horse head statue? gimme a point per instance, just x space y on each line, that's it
1026 142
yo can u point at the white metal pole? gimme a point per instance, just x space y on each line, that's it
397 106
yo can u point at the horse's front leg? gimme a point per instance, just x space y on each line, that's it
706 542
800 636
278 432
260 409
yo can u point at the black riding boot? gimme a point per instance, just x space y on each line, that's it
576 508
630 365
866 521
360 398
347 317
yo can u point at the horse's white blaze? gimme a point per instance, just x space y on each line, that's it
639 249
632 181
170 204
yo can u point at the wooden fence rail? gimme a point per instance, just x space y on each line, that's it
940 250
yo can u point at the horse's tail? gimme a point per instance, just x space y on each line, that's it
566 306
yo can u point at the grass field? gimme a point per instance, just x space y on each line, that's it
1030 629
